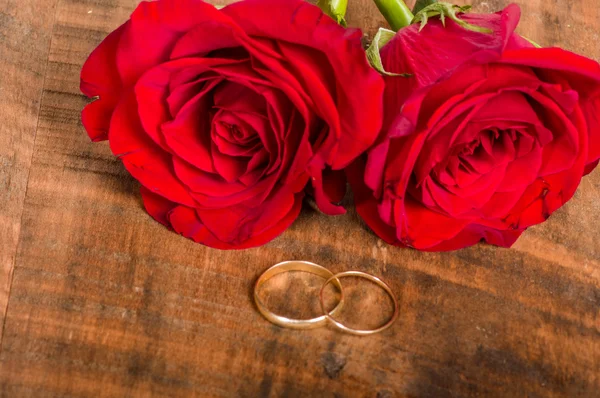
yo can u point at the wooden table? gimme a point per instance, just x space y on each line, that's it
99 300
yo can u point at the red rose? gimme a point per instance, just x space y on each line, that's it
488 137
225 115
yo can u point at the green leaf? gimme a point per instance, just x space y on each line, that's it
336 9
420 4
444 10
382 37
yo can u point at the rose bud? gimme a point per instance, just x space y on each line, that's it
225 115
486 137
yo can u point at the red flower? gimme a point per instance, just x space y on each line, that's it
225 115
488 137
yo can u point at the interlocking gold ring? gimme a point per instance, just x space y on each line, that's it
301 266
372 278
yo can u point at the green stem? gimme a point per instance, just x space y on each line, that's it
339 6
395 12
336 9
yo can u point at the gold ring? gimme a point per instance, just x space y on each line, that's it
302 266
372 278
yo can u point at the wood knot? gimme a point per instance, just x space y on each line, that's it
333 364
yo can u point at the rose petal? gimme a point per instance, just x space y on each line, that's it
329 187
420 227
238 223
184 220
300 22
153 88
522 172
99 77
228 167
591 110
154 30
365 203
473 234
429 61
562 151
235 97
590 167
144 160
188 136
582 73
222 34
179 96
157 206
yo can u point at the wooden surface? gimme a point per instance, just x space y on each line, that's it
103 301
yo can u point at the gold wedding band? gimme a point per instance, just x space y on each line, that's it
372 278
297 266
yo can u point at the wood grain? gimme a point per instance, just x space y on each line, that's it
107 303
25 33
